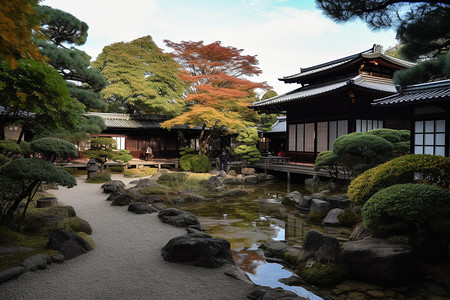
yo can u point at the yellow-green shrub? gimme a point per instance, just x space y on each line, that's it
413 168
141 172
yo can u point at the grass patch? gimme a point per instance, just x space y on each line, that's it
116 169
99 178
141 172
75 172
155 190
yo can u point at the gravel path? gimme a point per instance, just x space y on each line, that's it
126 262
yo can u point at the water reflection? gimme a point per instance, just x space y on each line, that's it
250 220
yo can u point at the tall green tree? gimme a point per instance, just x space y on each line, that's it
63 30
37 88
142 79
422 30
219 90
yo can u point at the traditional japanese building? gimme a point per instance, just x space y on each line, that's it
427 106
334 99
136 133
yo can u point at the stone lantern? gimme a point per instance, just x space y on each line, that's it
91 168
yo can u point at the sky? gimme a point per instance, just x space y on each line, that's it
285 35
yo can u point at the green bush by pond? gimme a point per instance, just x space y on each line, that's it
418 205
411 168
195 163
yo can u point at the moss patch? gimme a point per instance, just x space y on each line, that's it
75 224
99 178
322 275
141 172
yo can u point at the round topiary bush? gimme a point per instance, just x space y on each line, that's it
196 163
76 224
413 168
99 178
414 206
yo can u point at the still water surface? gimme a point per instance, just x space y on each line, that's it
248 221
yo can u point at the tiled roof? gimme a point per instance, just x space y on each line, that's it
279 126
368 82
371 53
425 92
122 123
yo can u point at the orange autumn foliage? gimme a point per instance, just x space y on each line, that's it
219 90
18 22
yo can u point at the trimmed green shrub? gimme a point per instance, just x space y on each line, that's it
195 163
186 150
118 169
52 148
415 204
398 138
412 168
172 179
141 172
99 178
8 149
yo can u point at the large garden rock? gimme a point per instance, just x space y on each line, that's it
178 218
319 207
319 196
114 196
339 201
113 186
305 204
359 232
122 200
233 180
267 293
11 273
320 248
332 217
140 208
199 250
216 181
292 199
37 262
277 249
69 244
146 183
381 261
251 179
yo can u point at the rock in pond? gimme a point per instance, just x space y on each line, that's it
381 261
178 218
277 249
267 293
332 217
320 247
292 199
199 250
69 244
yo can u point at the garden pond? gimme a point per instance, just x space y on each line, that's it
250 220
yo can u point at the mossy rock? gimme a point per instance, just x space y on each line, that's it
322 275
76 224
349 217
42 224
290 257
316 217
172 179
62 211
8 236
154 190
87 238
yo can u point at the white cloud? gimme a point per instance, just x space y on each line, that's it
284 38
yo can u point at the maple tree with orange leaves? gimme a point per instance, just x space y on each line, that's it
18 23
219 90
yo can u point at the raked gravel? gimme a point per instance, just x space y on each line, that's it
126 262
